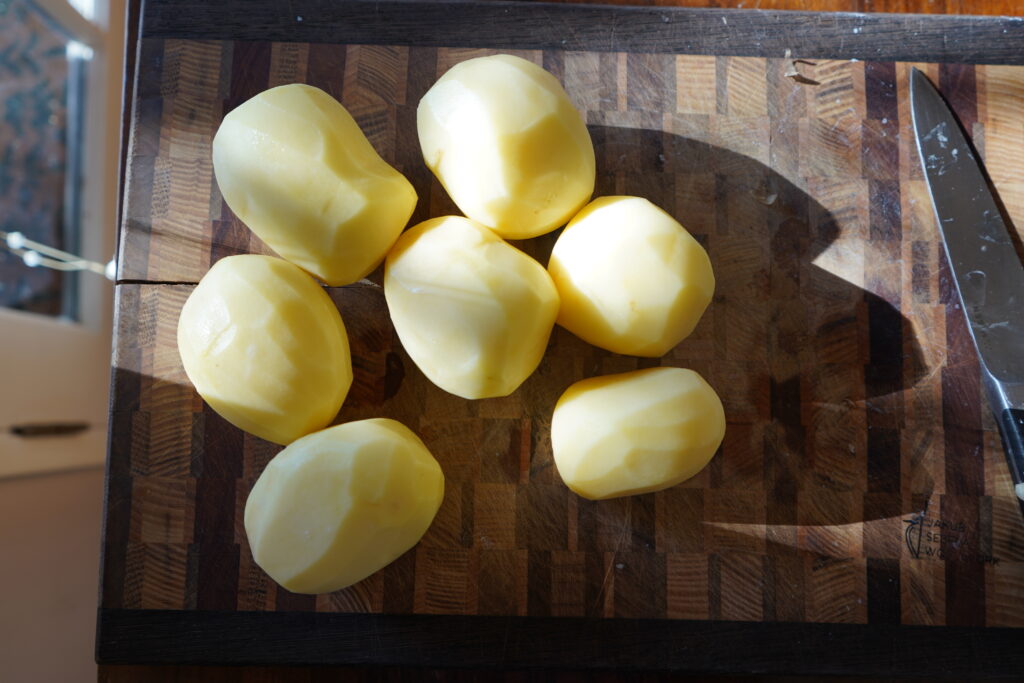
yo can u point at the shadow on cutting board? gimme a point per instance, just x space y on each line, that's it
811 369
814 364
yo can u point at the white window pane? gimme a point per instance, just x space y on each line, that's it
87 8
42 91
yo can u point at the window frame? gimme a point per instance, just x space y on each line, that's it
55 370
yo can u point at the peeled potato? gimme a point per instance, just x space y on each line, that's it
337 505
265 347
505 141
632 280
635 432
295 167
473 312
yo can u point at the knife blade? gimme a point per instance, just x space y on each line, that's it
988 273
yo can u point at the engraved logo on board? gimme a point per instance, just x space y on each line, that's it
934 537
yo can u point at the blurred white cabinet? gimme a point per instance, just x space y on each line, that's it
55 371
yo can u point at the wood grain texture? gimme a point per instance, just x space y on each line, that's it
859 483
539 25
976 7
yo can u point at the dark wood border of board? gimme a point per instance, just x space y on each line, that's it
127 636
537 25
294 638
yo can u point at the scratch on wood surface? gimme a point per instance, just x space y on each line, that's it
623 530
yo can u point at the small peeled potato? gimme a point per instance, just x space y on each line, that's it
505 141
635 432
265 347
632 279
473 312
337 505
295 167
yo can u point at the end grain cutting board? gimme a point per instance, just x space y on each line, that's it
859 517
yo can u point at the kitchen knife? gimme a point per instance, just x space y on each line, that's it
988 273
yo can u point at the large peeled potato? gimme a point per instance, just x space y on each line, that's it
632 279
473 312
337 505
635 432
505 141
265 347
295 167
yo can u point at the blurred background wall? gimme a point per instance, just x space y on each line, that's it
61 67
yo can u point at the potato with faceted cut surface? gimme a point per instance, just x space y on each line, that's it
632 280
265 347
503 138
635 432
337 505
295 167
473 312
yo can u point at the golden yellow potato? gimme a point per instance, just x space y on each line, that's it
337 505
635 432
505 141
632 279
295 167
265 347
473 312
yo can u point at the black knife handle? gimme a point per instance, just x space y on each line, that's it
1011 428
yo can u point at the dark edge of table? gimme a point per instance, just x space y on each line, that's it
133 30
303 638
140 636
537 25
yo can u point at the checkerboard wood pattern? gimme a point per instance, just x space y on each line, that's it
861 479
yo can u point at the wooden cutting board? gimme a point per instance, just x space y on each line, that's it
860 496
